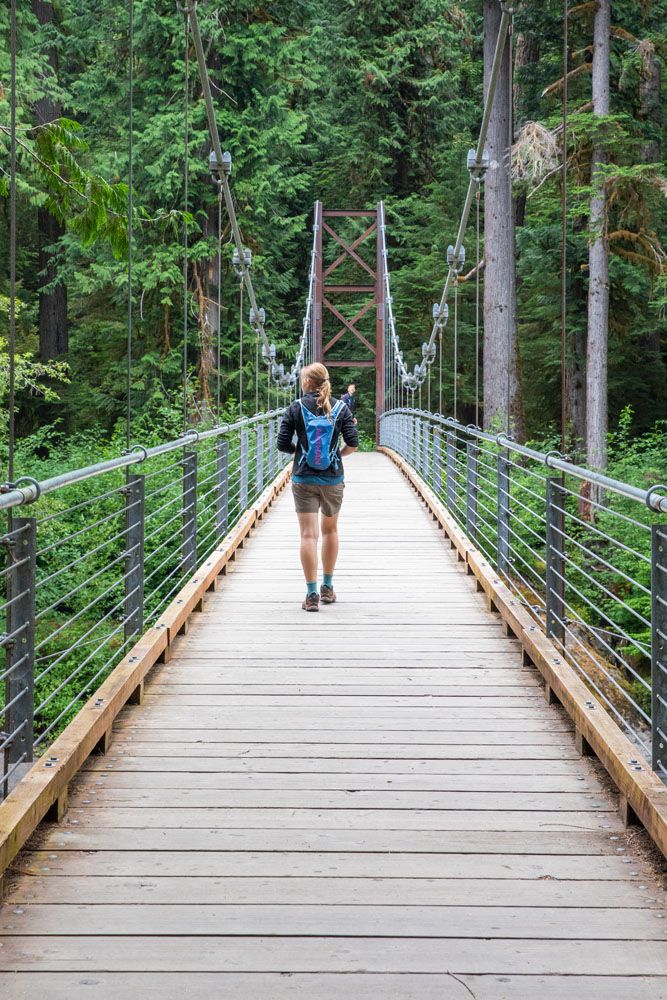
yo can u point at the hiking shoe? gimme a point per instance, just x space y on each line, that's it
327 594
311 602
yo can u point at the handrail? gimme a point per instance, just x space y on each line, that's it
13 496
650 497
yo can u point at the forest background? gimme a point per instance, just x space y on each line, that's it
348 102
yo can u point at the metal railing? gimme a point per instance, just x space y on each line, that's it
584 553
93 556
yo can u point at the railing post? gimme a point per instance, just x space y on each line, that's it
259 459
20 673
134 557
472 453
450 471
437 459
243 469
555 571
417 441
189 544
503 514
222 486
426 449
271 449
659 648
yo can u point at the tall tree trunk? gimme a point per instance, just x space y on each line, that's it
53 339
501 362
598 259
650 108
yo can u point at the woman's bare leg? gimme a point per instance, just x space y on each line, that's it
309 535
329 544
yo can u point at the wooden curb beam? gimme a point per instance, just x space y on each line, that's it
642 795
42 792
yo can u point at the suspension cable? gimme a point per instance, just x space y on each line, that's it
240 348
477 297
456 346
219 309
12 242
563 263
186 180
510 303
130 210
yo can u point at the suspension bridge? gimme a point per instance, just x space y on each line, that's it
451 783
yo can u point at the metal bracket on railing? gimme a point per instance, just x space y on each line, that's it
552 454
29 481
139 448
649 495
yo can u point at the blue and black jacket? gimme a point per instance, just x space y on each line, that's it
293 424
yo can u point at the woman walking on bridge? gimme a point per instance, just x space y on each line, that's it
317 474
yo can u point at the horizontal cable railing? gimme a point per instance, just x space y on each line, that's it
584 553
92 557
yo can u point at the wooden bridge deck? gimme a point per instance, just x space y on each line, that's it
378 790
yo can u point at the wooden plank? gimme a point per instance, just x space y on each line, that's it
148 800
316 780
199 761
337 829
371 750
203 826
344 954
329 986
383 891
333 920
161 731
345 864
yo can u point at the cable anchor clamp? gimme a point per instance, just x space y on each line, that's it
456 261
477 168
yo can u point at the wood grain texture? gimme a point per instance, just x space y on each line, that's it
375 801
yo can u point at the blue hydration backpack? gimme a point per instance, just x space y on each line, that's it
322 441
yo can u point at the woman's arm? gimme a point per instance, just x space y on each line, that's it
349 432
286 433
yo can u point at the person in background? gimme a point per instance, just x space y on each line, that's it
318 480
350 400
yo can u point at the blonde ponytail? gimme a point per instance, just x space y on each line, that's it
315 378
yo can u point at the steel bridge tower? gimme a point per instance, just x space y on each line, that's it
327 294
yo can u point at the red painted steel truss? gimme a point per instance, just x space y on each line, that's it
371 285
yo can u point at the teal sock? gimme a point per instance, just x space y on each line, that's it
328 580
312 588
